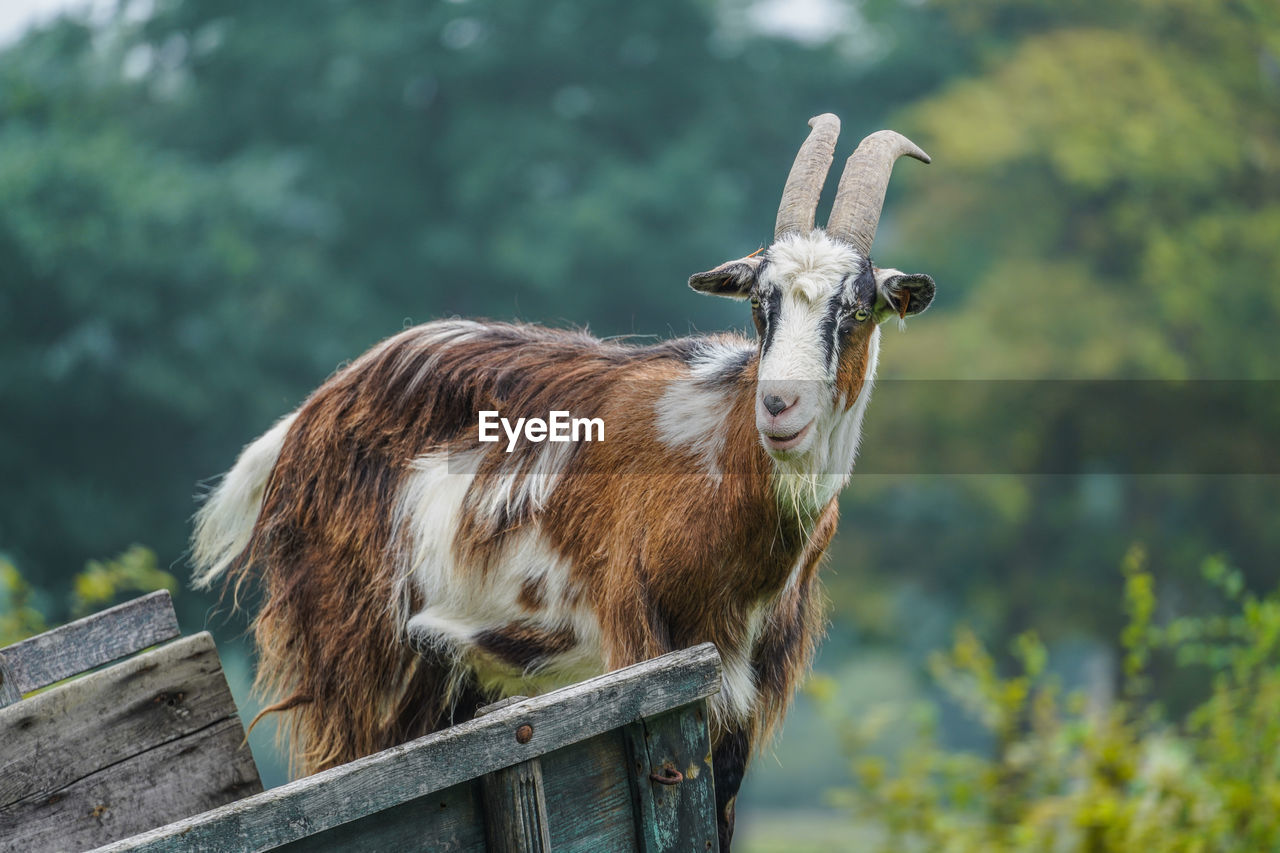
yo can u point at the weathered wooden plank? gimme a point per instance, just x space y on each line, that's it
50 740
9 692
515 806
499 705
438 761
92 641
671 763
589 803
515 809
188 775
589 810
445 822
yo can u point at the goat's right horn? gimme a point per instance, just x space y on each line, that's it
856 210
808 174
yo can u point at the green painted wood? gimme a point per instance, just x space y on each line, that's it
79 646
386 780
679 816
588 796
515 809
589 810
588 790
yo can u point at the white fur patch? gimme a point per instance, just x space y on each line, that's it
737 696
812 265
224 525
692 413
462 601
529 486
691 419
718 356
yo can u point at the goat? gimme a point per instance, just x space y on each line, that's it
411 572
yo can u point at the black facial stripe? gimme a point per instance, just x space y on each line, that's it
831 319
771 304
864 287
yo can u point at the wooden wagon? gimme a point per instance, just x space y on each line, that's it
149 753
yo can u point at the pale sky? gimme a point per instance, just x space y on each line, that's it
806 21
803 20
17 15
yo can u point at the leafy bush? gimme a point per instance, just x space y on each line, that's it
96 587
1066 774
19 616
100 583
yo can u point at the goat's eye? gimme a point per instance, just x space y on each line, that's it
757 315
861 315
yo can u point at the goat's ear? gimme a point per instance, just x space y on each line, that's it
902 294
734 279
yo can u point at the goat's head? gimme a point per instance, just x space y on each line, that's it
817 300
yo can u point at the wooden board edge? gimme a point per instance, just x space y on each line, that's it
281 815
90 642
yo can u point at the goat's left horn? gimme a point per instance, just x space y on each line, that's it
808 174
856 211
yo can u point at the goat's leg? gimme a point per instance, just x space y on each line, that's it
728 763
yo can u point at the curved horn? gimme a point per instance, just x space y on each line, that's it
856 210
808 173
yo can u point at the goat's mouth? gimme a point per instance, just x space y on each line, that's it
779 441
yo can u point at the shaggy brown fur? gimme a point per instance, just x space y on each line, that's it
665 562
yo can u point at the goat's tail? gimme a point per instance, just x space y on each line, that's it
224 525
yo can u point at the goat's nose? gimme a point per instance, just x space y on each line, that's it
774 404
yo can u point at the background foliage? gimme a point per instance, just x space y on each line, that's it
1065 775
207 207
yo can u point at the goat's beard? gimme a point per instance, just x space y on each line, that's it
806 481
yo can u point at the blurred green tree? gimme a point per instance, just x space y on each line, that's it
1104 205
206 208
